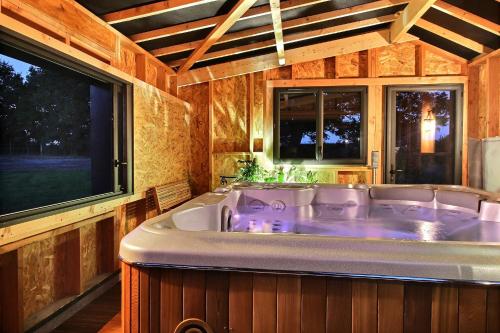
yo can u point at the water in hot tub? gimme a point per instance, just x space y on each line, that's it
374 221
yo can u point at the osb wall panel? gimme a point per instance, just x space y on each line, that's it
127 60
226 164
309 70
258 108
197 97
38 267
396 60
352 177
88 253
161 138
280 73
351 65
436 64
151 73
231 117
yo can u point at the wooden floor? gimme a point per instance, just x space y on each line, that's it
102 315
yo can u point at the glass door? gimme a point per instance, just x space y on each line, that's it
424 135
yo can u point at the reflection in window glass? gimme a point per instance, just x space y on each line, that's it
298 125
56 133
342 125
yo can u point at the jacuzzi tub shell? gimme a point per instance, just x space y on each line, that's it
396 232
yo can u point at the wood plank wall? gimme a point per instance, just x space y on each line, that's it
157 300
240 107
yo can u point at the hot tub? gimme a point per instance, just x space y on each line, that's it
313 239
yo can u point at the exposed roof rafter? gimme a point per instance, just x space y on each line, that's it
278 30
214 20
297 37
220 29
151 9
409 16
294 23
468 17
452 36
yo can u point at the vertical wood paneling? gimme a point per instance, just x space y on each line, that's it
134 300
364 306
126 286
472 309
417 317
313 307
170 300
289 299
154 300
217 298
390 306
339 306
264 303
493 314
444 309
193 289
144 301
11 292
240 302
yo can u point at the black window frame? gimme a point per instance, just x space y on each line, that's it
319 91
122 132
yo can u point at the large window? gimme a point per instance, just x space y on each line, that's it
320 125
62 133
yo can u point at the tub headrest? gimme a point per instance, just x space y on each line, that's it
459 199
402 193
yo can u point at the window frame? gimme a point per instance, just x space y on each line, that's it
122 134
319 92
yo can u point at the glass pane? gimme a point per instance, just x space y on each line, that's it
425 137
342 125
297 126
56 133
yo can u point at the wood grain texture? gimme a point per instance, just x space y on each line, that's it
339 306
154 300
364 306
472 309
11 292
493 312
240 302
390 306
444 309
88 253
309 70
288 304
217 300
313 307
144 300
264 303
437 64
134 299
417 305
193 295
390 60
170 300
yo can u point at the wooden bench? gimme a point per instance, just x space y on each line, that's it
170 195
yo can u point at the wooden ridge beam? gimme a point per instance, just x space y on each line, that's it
409 16
297 37
278 30
301 54
214 20
294 23
468 17
150 9
220 29
452 36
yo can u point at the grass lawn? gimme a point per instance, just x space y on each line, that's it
20 190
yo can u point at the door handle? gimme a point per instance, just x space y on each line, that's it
393 172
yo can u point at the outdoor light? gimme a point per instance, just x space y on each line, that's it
428 134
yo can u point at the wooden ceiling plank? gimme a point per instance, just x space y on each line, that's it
409 16
468 17
297 37
294 23
278 30
301 54
220 29
214 20
150 9
452 36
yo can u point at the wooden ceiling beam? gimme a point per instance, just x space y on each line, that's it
468 17
214 20
297 37
278 30
452 36
408 17
151 9
294 23
301 54
220 29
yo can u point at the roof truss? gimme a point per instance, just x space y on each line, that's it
409 16
278 30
